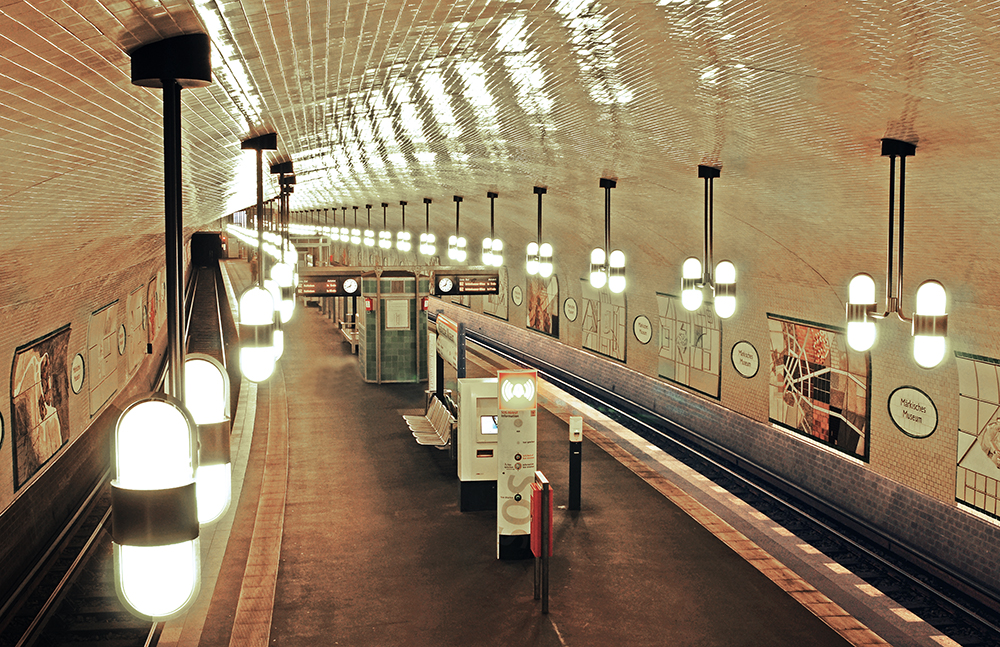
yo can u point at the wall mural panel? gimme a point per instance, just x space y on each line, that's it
690 345
604 321
39 395
134 322
977 472
818 385
543 304
102 356
496 304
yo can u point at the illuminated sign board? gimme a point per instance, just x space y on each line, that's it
518 390
329 286
466 284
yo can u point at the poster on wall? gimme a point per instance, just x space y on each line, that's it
818 386
156 306
39 402
977 471
134 322
690 345
102 355
464 300
604 321
496 304
543 304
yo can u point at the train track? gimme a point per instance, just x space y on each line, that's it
69 598
969 620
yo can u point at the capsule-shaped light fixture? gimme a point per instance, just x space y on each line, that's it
427 245
278 335
532 258
545 260
385 239
930 324
369 238
461 251
860 302
598 273
356 236
154 508
257 334
616 271
725 289
691 294
206 396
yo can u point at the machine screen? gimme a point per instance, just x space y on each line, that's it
488 424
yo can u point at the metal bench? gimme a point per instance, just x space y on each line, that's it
433 428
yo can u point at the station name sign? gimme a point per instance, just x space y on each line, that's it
466 284
330 286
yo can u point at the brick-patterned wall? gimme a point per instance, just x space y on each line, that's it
925 521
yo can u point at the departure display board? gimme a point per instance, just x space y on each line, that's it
329 286
470 284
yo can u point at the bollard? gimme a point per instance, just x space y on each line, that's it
575 460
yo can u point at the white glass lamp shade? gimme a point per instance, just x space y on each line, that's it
616 271
545 260
691 295
158 582
385 239
403 241
453 247
497 252
206 389
598 273
369 238
861 332
532 260
725 289
488 251
461 249
345 234
206 396
154 450
929 343
356 236
282 274
257 356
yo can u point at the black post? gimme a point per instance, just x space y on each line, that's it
173 241
461 350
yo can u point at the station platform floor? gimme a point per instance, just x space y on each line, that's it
344 531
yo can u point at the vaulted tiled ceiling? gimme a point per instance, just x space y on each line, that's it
404 99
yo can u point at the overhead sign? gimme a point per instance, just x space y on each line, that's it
330 286
447 340
466 284
518 390
913 412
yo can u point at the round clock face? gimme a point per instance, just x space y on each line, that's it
445 285
350 286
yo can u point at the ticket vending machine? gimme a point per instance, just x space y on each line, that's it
477 444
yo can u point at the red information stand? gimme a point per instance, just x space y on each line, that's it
536 520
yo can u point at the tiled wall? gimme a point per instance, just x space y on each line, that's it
402 350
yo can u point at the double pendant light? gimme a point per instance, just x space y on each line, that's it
355 232
369 232
539 254
456 244
427 240
600 272
385 236
492 246
929 324
403 236
693 281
